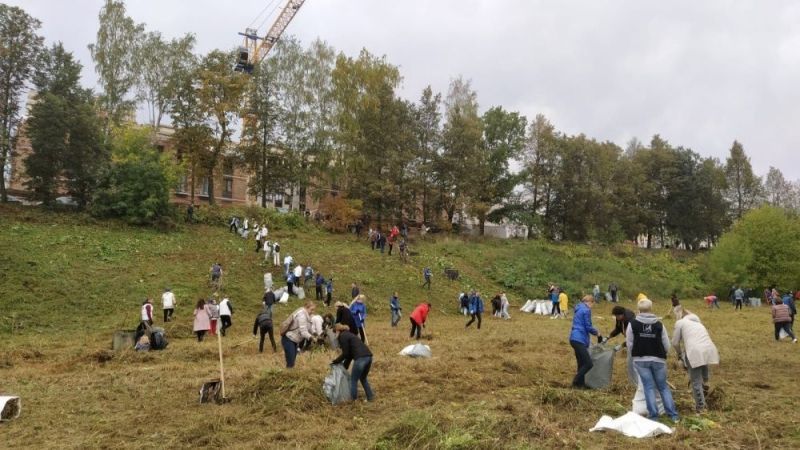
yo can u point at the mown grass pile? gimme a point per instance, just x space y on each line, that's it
69 283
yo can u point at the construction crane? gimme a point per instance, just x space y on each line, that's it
255 47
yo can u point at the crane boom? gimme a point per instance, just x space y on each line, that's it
256 48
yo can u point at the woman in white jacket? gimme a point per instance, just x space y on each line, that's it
694 346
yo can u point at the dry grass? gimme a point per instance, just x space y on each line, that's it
505 386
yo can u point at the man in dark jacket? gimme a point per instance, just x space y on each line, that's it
318 283
353 349
624 316
263 324
269 299
345 317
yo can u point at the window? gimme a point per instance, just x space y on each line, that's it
204 189
228 191
183 185
227 167
278 200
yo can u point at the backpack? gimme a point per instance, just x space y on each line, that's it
277 248
286 325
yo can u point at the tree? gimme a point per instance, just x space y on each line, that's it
19 49
427 117
219 94
137 186
114 55
778 191
64 132
744 187
160 65
538 160
503 137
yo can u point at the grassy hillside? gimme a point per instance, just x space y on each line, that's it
69 283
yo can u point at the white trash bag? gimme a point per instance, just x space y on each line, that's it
300 292
632 425
416 351
336 385
526 305
639 404
284 298
10 407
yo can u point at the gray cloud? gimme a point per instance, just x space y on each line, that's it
701 74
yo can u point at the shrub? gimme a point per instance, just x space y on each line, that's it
339 213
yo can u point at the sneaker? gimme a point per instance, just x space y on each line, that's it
794 340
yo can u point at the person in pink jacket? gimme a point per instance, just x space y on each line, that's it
202 320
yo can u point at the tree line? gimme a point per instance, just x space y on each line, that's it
317 121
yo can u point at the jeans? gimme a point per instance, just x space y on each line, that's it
584 361
504 312
785 326
168 314
395 317
359 373
476 315
556 309
654 376
318 293
416 328
289 351
266 330
738 304
698 376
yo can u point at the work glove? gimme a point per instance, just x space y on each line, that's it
600 339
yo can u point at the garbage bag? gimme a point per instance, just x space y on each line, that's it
639 405
526 305
599 376
336 385
417 351
540 308
632 425
301 293
284 298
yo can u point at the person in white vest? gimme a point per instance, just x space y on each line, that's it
287 264
693 344
168 303
267 250
267 281
298 273
225 313
146 318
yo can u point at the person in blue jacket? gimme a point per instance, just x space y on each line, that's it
579 339
475 309
359 311
394 306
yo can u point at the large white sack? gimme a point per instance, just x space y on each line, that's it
336 385
639 404
532 307
525 306
539 308
14 405
632 425
548 307
416 351
301 293
284 298
279 292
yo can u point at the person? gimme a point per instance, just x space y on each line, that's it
290 283
496 305
372 236
213 314
788 300
677 309
774 295
390 240
418 318
695 348
146 318
712 300
738 297
267 248
359 311
258 237
318 283
329 291
216 274
596 293
168 303
233 226
356 351
426 275
612 288
297 332
404 230
268 280
298 274
504 305
553 292
403 250
276 254
308 275
269 299
287 264
463 302
190 213
563 302
317 326
382 242
782 318
579 339
225 313
345 316
245 228
475 309
354 291
395 308
263 324
623 317
649 344
202 320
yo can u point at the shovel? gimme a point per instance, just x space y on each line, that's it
214 390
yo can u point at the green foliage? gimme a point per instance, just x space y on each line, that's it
761 250
275 220
136 188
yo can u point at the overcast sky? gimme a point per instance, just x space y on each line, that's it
699 73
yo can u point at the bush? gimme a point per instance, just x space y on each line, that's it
339 213
221 216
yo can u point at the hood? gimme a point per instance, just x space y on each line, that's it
692 317
647 318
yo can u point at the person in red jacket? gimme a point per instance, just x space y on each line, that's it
418 318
